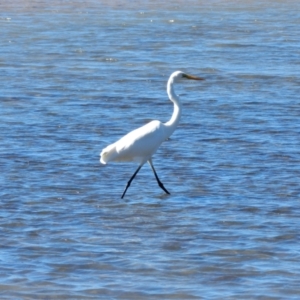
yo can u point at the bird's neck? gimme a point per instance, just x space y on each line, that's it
173 122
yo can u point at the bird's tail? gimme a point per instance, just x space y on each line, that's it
108 154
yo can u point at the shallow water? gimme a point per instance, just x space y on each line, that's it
76 77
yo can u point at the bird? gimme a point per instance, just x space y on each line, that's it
140 144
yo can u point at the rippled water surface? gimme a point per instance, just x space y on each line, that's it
77 76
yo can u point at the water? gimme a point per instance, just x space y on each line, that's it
76 77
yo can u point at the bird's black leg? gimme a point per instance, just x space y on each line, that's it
157 179
129 182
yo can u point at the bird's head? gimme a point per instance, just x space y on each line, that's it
179 75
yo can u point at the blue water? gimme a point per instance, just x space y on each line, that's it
76 76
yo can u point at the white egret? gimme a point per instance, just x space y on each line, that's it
140 144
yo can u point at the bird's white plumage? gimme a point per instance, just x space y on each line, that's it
138 145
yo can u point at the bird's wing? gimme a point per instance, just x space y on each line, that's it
140 143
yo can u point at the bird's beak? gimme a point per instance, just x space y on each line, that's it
193 77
